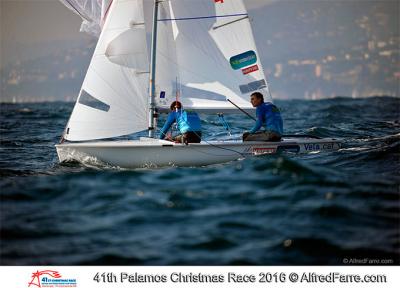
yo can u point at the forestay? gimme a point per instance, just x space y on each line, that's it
114 95
206 51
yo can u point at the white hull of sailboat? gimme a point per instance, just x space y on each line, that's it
146 153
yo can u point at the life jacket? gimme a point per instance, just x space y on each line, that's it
272 118
188 121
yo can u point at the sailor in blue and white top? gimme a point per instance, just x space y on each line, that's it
188 122
269 116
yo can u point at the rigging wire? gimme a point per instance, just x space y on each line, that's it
216 146
202 17
205 51
224 123
240 109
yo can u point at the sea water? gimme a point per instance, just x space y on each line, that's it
319 208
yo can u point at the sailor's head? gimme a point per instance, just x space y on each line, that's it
176 105
256 99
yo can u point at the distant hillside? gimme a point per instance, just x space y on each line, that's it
55 76
309 49
326 48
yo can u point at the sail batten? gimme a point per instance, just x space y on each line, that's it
210 36
205 55
201 17
113 98
233 21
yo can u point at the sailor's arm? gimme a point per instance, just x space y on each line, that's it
167 125
259 122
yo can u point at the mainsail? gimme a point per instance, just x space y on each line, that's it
205 55
113 98
207 52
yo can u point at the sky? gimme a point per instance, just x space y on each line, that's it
311 48
27 22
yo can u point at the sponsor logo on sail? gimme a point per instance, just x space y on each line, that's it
250 69
242 60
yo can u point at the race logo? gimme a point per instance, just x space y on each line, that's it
249 69
50 279
243 60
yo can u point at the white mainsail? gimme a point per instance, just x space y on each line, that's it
167 67
114 96
204 37
205 55
234 37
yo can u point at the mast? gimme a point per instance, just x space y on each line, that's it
152 104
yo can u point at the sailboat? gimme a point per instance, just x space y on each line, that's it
202 52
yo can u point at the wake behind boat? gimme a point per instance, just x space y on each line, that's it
202 53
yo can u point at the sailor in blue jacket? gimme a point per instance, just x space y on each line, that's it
268 115
189 124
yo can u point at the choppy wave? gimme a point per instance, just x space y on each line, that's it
284 209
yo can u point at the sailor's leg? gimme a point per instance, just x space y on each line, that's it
179 138
192 137
247 136
267 136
